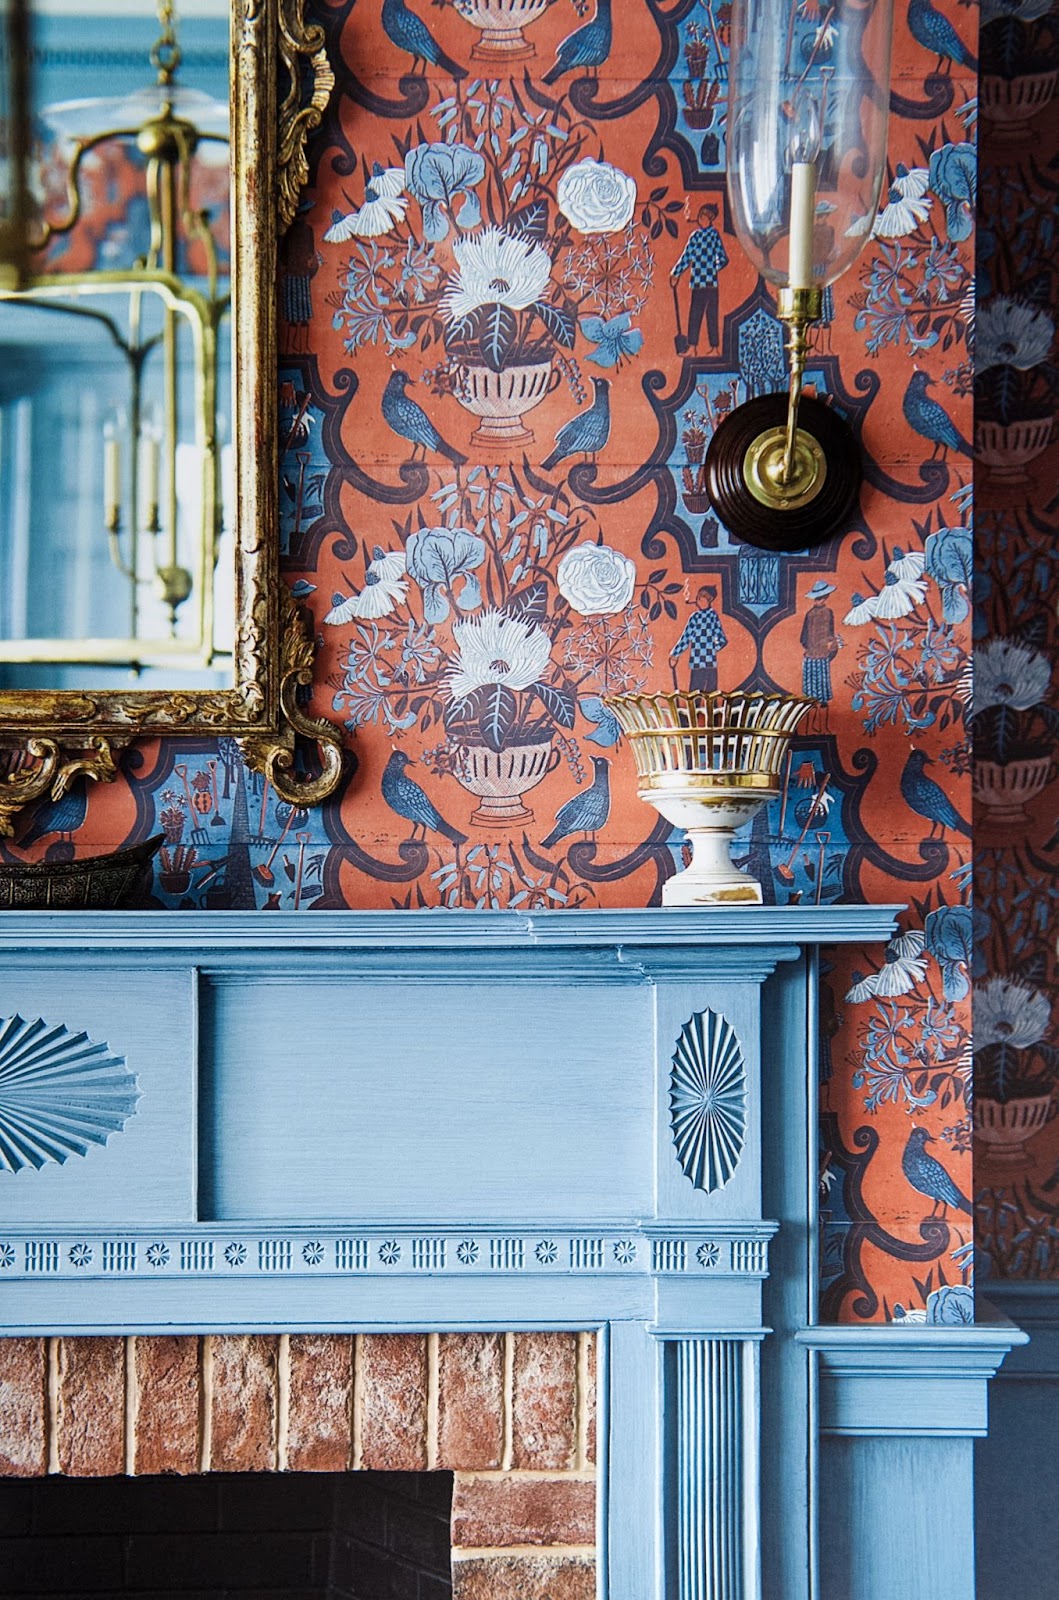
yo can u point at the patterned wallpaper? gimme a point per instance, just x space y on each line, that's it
512 312
1016 721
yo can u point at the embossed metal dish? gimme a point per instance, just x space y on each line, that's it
117 881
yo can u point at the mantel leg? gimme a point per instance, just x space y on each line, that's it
717 1469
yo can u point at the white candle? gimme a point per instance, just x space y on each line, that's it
111 475
803 222
150 475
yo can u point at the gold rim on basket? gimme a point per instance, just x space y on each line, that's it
717 739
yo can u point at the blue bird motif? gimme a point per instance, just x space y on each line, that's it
584 813
608 729
404 796
927 798
930 28
927 1175
63 816
409 32
930 420
586 433
411 422
587 47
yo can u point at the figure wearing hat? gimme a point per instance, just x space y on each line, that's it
704 258
703 639
821 645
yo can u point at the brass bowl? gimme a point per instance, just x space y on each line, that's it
708 763
117 881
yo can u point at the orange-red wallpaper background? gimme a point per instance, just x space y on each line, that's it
557 547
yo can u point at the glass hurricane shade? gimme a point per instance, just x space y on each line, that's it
83 119
809 92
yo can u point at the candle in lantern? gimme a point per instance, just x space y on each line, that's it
803 222
111 474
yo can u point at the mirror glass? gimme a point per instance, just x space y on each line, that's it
116 538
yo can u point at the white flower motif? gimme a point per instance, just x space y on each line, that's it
1009 334
1009 674
901 1315
157 1254
904 965
235 1254
862 988
595 197
497 649
313 1253
904 586
467 1252
907 204
385 587
547 1252
596 580
493 268
1009 1013
384 206
861 610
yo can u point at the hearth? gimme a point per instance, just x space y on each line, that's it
491 1194
229 1536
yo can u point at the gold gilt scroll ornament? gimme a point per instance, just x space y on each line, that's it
304 55
273 754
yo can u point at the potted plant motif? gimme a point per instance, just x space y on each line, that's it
1014 1069
1015 387
1019 72
1014 730
504 707
500 23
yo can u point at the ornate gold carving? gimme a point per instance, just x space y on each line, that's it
274 756
39 767
50 736
304 103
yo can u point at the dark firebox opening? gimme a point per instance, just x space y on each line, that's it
228 1536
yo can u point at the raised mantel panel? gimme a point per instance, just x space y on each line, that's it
425 1101
420 1118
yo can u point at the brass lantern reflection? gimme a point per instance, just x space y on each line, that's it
160 318
809 92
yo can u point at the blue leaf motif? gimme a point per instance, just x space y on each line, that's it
614 339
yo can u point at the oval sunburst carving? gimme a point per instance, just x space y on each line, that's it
707 1100
59 1093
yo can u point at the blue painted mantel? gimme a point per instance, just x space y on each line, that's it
449 1120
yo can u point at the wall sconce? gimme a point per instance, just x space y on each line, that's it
809 92
14 140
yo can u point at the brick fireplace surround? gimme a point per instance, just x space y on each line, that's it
512 1416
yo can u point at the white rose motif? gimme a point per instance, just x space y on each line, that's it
596 580
595 197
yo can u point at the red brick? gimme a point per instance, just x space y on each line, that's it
23 1408
393 1385
591 1401
168 1394
90 1415
544 1424
243 1403
470 1401
320 1435
495 1512
524 1578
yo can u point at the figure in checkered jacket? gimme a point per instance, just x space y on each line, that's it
703 639
704 259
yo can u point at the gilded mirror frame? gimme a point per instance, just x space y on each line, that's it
49 737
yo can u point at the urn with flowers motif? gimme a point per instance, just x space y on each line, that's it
500 23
